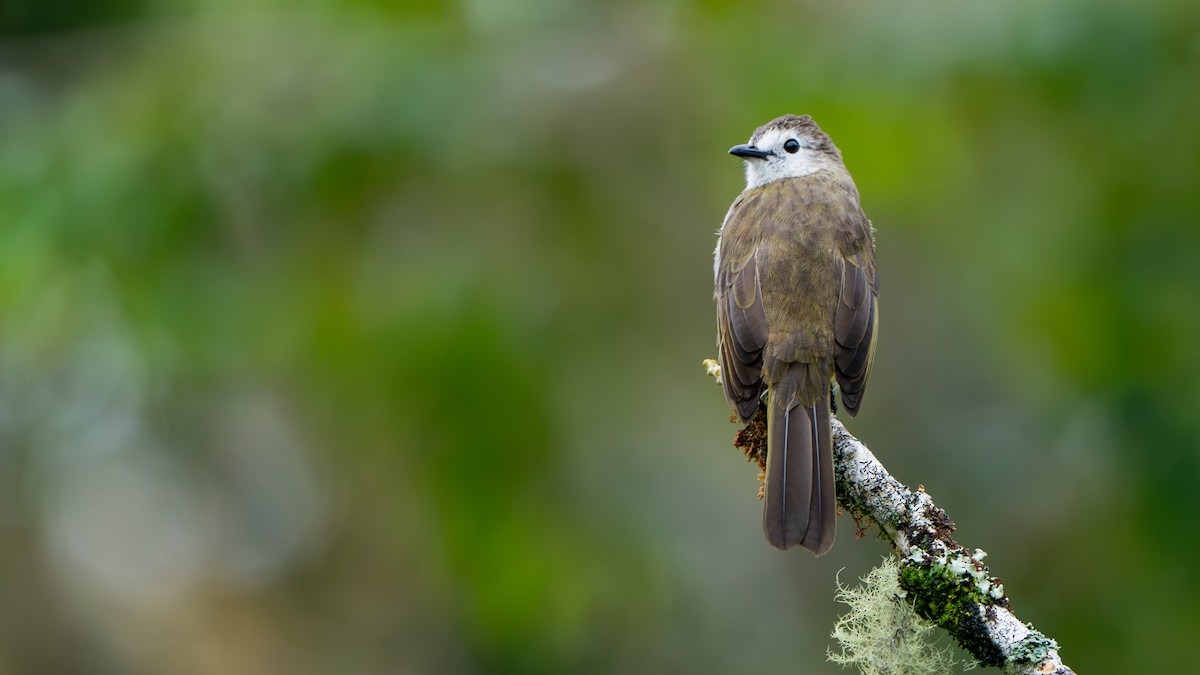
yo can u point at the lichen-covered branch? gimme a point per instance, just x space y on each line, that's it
948 584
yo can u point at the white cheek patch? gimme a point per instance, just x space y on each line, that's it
782 164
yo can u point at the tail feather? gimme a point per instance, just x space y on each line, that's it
800 494
822 523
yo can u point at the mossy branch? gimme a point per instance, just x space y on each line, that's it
948 584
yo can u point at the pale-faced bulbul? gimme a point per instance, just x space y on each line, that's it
796 295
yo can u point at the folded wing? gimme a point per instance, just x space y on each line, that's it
741 329
854 327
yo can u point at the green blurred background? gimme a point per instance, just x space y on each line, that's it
365 337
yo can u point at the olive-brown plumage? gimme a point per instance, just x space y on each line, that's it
796 295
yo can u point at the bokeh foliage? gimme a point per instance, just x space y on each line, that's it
365 337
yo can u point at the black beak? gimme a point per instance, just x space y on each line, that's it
748 151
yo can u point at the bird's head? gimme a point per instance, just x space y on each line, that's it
787 147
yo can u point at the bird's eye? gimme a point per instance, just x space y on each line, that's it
792 146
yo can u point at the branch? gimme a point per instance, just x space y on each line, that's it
948 584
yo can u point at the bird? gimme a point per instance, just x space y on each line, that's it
797 297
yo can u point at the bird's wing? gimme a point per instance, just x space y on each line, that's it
741 320
854 325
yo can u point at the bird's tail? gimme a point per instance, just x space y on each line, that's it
800 494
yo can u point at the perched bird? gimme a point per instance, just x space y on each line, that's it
796 296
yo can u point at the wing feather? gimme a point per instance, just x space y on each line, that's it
854 327
741 327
